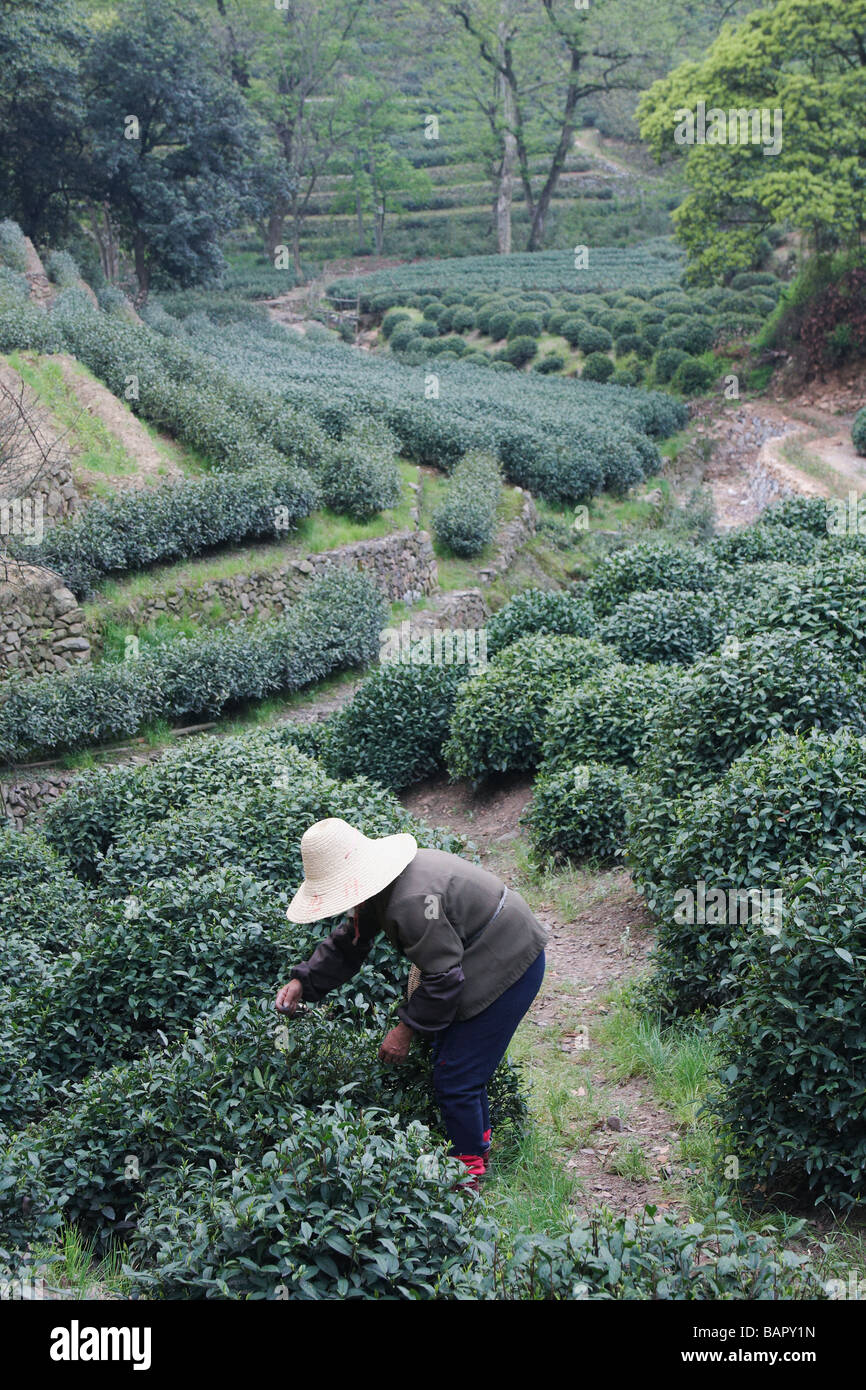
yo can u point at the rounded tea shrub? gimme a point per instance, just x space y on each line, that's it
498 719
499 323
594 339
825 600
525 326
794 1039
563 614
800 514
571 327
753 544
667 360
578 813
692 377
342 1207
519 351
466 521
597 367
858 432
361 477
650 565
402 336
607 718
664 625
742 695
796 798
393 728
391 320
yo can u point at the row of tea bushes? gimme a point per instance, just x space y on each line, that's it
336 624
132 530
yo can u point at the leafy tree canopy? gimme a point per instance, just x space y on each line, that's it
803 59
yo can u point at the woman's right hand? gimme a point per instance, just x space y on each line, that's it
289 997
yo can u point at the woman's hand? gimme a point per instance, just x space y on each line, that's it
396 1044
289 997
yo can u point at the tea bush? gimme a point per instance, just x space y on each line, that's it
796 799
62 270
650 565
662 625
359 475
13 247
800 513
693 377
341 1207
858 431
650 1257
498 719
597 367
826 601
578 813
335 624
102 803
131 530
257 829
742 696
466 521
519 351
754 544
560 613
394 727
794 1039
607 718
392 318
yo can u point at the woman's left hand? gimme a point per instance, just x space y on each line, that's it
396 1044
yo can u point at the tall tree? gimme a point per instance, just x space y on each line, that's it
802 66
171 144
380 179
305 54
41 114
543 58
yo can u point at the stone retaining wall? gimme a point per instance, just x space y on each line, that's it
32 796
41 624
512 537
402 565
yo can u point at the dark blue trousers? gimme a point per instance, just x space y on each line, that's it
466 1055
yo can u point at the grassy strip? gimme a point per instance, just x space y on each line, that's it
95 448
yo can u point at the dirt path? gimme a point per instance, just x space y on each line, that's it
296 305
600 942
764 450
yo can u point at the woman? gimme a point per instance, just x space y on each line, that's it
476 949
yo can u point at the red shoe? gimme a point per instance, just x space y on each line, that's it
475 1168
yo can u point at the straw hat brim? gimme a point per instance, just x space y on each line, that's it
384 860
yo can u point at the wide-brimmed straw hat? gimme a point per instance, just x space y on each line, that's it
342 868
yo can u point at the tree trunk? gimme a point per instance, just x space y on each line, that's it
296 246
274 232
505 190
359 214
566 138
142 270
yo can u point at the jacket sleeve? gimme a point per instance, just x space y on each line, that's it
334 961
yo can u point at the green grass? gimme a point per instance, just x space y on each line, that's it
679 1062
71 1263
95 448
